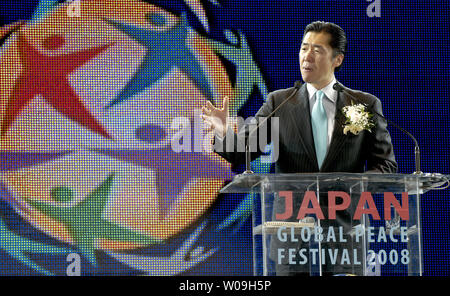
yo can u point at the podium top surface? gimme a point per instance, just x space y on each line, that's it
372 182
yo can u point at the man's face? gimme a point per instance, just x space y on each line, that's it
317 63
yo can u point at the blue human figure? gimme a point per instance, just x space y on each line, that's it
17 246
165 50
42 9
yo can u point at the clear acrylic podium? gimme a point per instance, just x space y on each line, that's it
336 223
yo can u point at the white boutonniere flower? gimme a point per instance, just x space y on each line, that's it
358 119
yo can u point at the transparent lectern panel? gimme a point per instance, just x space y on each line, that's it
310 231
336 223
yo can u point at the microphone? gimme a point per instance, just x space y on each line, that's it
338 87
248 169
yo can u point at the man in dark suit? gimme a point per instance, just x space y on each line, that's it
311 135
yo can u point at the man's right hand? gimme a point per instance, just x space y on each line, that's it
216 118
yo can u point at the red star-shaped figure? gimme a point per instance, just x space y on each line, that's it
47 76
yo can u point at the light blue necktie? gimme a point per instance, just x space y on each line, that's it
319 127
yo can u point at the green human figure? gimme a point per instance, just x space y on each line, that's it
247 76
85 220
17 246
247 72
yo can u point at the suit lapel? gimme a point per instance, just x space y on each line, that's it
301 116
338 136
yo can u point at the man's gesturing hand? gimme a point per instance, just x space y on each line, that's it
216 118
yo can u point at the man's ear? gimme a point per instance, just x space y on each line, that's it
338 60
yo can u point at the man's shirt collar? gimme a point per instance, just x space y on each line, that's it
328 90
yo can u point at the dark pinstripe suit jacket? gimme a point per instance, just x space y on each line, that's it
370 151
367 151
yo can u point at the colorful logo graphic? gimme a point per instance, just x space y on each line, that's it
86 106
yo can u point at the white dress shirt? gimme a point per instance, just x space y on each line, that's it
329 104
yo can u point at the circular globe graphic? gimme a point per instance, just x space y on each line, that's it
88 106
103 151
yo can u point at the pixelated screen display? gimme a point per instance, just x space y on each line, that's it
120 176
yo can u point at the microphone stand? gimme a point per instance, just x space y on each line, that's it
248 168
340 88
